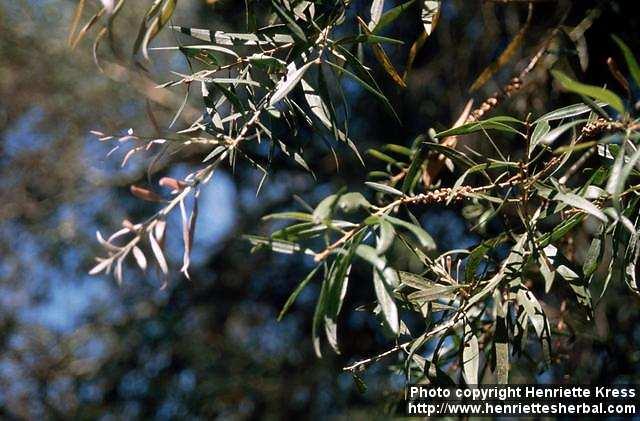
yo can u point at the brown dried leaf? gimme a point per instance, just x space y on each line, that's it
506 55
172 183
144 194
382 57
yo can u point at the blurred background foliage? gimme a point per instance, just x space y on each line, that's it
78 346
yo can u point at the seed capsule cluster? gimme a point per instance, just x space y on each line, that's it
514 85
442 195
600 126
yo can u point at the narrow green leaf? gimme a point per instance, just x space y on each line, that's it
352 202
298 216
423 236
632 64
415 281
560 230
595 92
501 341
554 134
435 292
294 295
500 123
384 188
390 16
540 130
566 112
387 235
383 290
289 21
576 201
369 88
538 319
377 7
477 255
593 257
318 318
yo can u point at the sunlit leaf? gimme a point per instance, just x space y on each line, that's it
377 7
470 356
288 82
384 188
429 14
390 16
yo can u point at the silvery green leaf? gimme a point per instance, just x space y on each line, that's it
377 7
581 203
382 283
288 82
384 188
567 112
470 356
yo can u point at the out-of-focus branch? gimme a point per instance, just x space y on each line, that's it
148 88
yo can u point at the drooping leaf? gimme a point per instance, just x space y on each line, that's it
632 64
470 356
158 253
383 290
385 279
593 257
423 236
382 58
318 318
501 343
336 292
369 88
387 235
595 92
155 19
289 21
294 295
538 319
